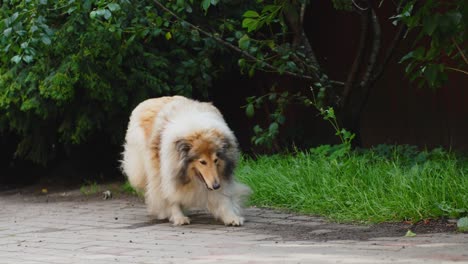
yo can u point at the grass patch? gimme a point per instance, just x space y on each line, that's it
382 184
90 188
128 189
116 189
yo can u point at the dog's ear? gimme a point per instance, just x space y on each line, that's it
182 177
183 147
229 154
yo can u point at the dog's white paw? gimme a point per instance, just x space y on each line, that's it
234 220
178 221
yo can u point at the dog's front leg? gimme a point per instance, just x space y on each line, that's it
177 216
225 208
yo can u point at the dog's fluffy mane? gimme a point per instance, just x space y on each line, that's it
181 125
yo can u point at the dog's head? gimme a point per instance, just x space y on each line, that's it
209 157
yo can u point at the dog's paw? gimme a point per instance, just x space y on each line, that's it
234 221
178 221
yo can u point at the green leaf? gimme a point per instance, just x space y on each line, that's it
431 74
249 111
241 62
244 42
430 24
7 32
258 141
107 14
410 234
449 22
409 55
16 59
33 28
271 44
281 119
273 128
113 7
100 12
257 129
93 14
250 24
168 35
205 4
28 58
71 9
11 19
252 71
251 14
291 65
46 40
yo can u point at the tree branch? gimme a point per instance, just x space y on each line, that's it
359 57
359 7
391 48
303 8
389 54
460 50
231 46
355 108
376 31
457 70
300 38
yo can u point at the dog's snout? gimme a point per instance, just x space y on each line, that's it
216 185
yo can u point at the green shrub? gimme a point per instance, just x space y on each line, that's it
70 70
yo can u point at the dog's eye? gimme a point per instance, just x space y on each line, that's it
203 162
215 160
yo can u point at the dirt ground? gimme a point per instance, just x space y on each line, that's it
288 226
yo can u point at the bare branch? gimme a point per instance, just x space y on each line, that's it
337 83
376 31
457 70
390 50
365 85
300 38
303 8
358 7
359 56
460 51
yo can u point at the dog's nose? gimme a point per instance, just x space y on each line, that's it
216 185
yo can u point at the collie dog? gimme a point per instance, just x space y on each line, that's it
182 155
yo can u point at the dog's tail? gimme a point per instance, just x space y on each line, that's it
133 167
240 192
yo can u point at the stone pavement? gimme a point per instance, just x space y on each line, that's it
100 231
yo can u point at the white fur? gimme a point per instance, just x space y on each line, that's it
178 118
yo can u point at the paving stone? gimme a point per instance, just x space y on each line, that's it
119 231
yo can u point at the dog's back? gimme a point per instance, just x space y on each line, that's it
139 131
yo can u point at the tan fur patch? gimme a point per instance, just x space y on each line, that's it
150 112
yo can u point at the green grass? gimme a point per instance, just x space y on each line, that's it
128 189
386 184
90 188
